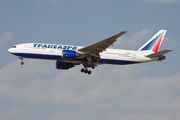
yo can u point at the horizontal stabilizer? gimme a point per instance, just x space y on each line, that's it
157 54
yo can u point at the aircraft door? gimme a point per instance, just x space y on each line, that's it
133 55
51 49
26 47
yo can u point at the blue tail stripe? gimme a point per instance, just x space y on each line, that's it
150 45
147 47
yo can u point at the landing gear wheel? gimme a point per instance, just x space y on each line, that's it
89 72
82 70
93 67
22 63
85 71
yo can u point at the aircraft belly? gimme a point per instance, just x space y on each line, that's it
116 61
101 61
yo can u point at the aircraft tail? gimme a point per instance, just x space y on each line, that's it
155 42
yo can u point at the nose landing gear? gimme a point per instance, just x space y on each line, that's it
21 58
22 63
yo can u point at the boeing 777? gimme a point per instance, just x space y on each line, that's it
67 56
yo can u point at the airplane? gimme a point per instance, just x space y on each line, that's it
67 56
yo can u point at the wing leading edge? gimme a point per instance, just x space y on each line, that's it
102 45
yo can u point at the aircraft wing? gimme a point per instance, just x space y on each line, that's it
98 47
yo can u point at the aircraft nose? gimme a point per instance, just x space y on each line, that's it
10 50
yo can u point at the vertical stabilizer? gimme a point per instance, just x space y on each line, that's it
155 42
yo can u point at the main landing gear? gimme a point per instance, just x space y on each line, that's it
86 71
21 58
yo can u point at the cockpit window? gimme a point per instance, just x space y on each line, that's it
13 46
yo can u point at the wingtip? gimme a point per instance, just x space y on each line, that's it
123 31
169 50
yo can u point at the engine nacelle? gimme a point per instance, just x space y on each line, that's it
162 57
69 54
63 65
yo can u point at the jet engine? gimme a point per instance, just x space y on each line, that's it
69 54
63 65
162 57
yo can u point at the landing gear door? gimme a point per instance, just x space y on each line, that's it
133 55
26 47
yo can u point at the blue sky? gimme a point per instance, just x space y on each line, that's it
38 91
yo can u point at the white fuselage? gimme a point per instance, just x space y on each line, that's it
54 52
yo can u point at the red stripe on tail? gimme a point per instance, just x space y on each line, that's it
156 47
